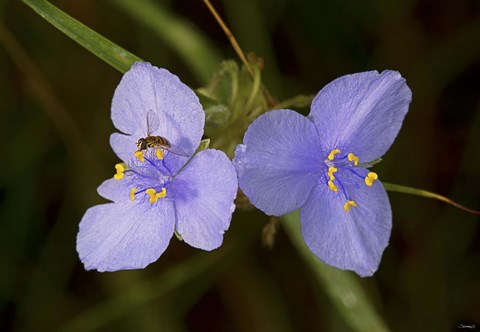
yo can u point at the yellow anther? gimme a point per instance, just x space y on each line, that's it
159 153
154 196
333 153
372 176
354 158
132 194
347 205
139 156
152 193
120 169
332 170
332 186
162 194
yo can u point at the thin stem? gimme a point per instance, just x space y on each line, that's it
428 194
267 98
230 37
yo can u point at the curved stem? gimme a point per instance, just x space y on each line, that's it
428 194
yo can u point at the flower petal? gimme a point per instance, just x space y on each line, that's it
362 112
353 240
114 190
124 236
279 161
204 192
124 146
145 87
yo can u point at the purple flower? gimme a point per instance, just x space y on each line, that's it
320 164
159 189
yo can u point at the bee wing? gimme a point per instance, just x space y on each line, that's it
152 122
176 150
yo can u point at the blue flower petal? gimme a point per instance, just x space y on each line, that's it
279 161
362 112
124 146
204 192
114 190
124 236
353 240
145 87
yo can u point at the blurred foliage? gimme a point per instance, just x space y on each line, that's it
55 126
234 100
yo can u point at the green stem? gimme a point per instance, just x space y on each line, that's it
427 194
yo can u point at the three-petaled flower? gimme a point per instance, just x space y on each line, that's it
320 164
159 188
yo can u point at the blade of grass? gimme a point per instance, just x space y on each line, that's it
343 288
191 45
103 48
428 194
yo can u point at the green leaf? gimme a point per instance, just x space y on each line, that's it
223 85
299 101
343 287
204 143
103 48
427 194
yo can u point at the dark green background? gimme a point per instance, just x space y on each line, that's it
54 131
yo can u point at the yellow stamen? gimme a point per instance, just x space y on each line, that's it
159 153
152 193
332 170
139 156
347 205
132 194
354 158
372 176
333 153
332 186
154 196
120 169
162 194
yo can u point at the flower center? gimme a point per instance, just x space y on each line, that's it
148 176
343 170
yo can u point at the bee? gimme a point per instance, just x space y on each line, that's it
153 141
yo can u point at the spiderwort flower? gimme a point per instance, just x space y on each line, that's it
320 164
156 192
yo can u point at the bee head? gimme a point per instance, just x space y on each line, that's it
141 143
